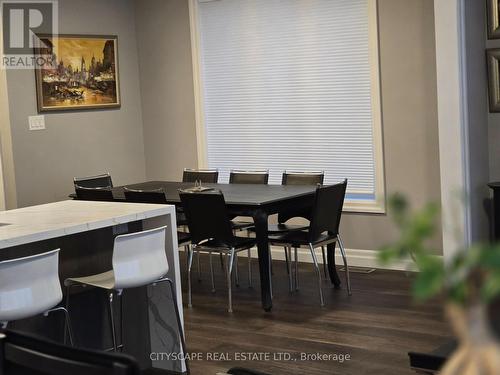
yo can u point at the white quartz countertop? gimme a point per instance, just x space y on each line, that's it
46 221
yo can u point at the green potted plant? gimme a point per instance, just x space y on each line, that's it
467 283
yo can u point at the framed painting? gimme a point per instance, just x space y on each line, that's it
78 72
493 19
493 57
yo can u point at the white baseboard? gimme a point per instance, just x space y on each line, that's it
355 257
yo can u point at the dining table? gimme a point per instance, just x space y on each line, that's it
252 200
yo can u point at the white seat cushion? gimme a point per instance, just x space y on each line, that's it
105 280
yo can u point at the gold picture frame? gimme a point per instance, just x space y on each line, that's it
493 7
79 72
493 58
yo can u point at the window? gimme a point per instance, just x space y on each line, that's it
291 85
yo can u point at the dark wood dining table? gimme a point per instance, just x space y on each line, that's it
258 202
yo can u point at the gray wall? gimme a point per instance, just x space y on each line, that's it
409 104
409 109
85 142
163 37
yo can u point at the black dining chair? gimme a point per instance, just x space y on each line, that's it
23 354
211 232
240 176
323 230
100 181
295 178
303 178
93 194
207 176
157 196
252 177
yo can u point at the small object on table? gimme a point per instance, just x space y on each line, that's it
197 188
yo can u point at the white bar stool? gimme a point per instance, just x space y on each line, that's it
30 286
139 259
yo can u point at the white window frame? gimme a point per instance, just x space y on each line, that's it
377 206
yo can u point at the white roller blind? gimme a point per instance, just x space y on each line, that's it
287 86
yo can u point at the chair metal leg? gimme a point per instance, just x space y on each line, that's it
198 265
320 286
67 323
112 322
68 290
190 264
178 318
229 270
288 256
236 272
344 257
271 261
271 273
249 267
325 265
296 274
221 257
212 278
120 295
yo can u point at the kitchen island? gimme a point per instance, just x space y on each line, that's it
85 231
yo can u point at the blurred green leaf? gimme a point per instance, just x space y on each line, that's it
489 257
458 293
388 254
491 287
398 207
430 280
416 229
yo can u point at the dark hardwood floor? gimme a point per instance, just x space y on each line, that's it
376 326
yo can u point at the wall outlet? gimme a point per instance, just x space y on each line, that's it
36 122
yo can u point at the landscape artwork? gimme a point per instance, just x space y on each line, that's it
79 72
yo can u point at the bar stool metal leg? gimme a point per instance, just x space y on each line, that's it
67 322
68 290
120 295
190 263
112 321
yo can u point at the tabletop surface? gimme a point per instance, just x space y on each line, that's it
52 220
234 194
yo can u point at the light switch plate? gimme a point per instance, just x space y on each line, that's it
36 122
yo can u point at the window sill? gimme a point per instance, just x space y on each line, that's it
365 207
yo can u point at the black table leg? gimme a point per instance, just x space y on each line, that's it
260 220
332 270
